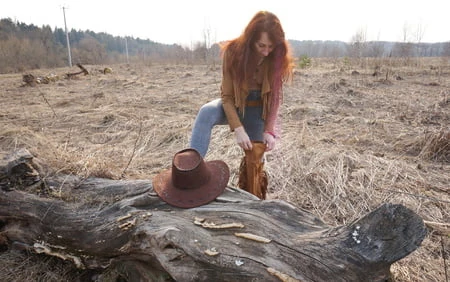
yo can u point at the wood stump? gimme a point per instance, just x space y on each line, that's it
123 225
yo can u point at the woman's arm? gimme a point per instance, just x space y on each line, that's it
269 127
271 118
228 95
229 107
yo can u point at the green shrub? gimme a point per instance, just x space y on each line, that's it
305 62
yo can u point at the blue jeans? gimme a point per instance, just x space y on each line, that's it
212 114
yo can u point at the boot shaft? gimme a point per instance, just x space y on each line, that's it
252 176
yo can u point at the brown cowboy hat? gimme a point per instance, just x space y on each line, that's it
191 181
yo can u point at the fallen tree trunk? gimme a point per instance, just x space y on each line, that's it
123 225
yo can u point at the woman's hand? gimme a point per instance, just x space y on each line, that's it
242 138
269 139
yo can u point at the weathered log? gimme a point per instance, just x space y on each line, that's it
123 225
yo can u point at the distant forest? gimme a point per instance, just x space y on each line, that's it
26 46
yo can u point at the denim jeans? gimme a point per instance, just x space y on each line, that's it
212 114
209 115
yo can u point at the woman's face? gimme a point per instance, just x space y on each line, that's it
263 46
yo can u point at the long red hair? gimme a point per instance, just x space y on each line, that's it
238 52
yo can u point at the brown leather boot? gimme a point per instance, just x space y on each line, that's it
252 177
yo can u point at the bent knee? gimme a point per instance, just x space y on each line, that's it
211 113
209 110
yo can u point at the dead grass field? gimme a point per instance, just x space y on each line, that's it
350 141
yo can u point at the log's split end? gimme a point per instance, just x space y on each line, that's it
387 234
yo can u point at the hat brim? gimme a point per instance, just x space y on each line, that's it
189 198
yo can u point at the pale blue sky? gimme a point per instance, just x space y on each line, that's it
183 22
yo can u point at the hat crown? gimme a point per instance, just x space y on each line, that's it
189 170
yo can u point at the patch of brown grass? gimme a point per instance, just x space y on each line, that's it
435 146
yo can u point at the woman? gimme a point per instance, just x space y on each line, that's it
255 65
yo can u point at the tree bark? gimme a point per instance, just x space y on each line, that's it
110 224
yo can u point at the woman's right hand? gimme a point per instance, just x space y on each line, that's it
242 138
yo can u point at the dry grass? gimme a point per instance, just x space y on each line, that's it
350 142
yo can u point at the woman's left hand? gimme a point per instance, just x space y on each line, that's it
269 139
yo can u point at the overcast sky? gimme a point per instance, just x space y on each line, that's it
184 22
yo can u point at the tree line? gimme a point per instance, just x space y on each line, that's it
26 46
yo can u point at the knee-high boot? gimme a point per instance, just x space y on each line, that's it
252 177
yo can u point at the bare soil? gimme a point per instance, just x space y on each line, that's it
351 139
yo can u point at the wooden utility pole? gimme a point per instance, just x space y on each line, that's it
67 37
126 48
